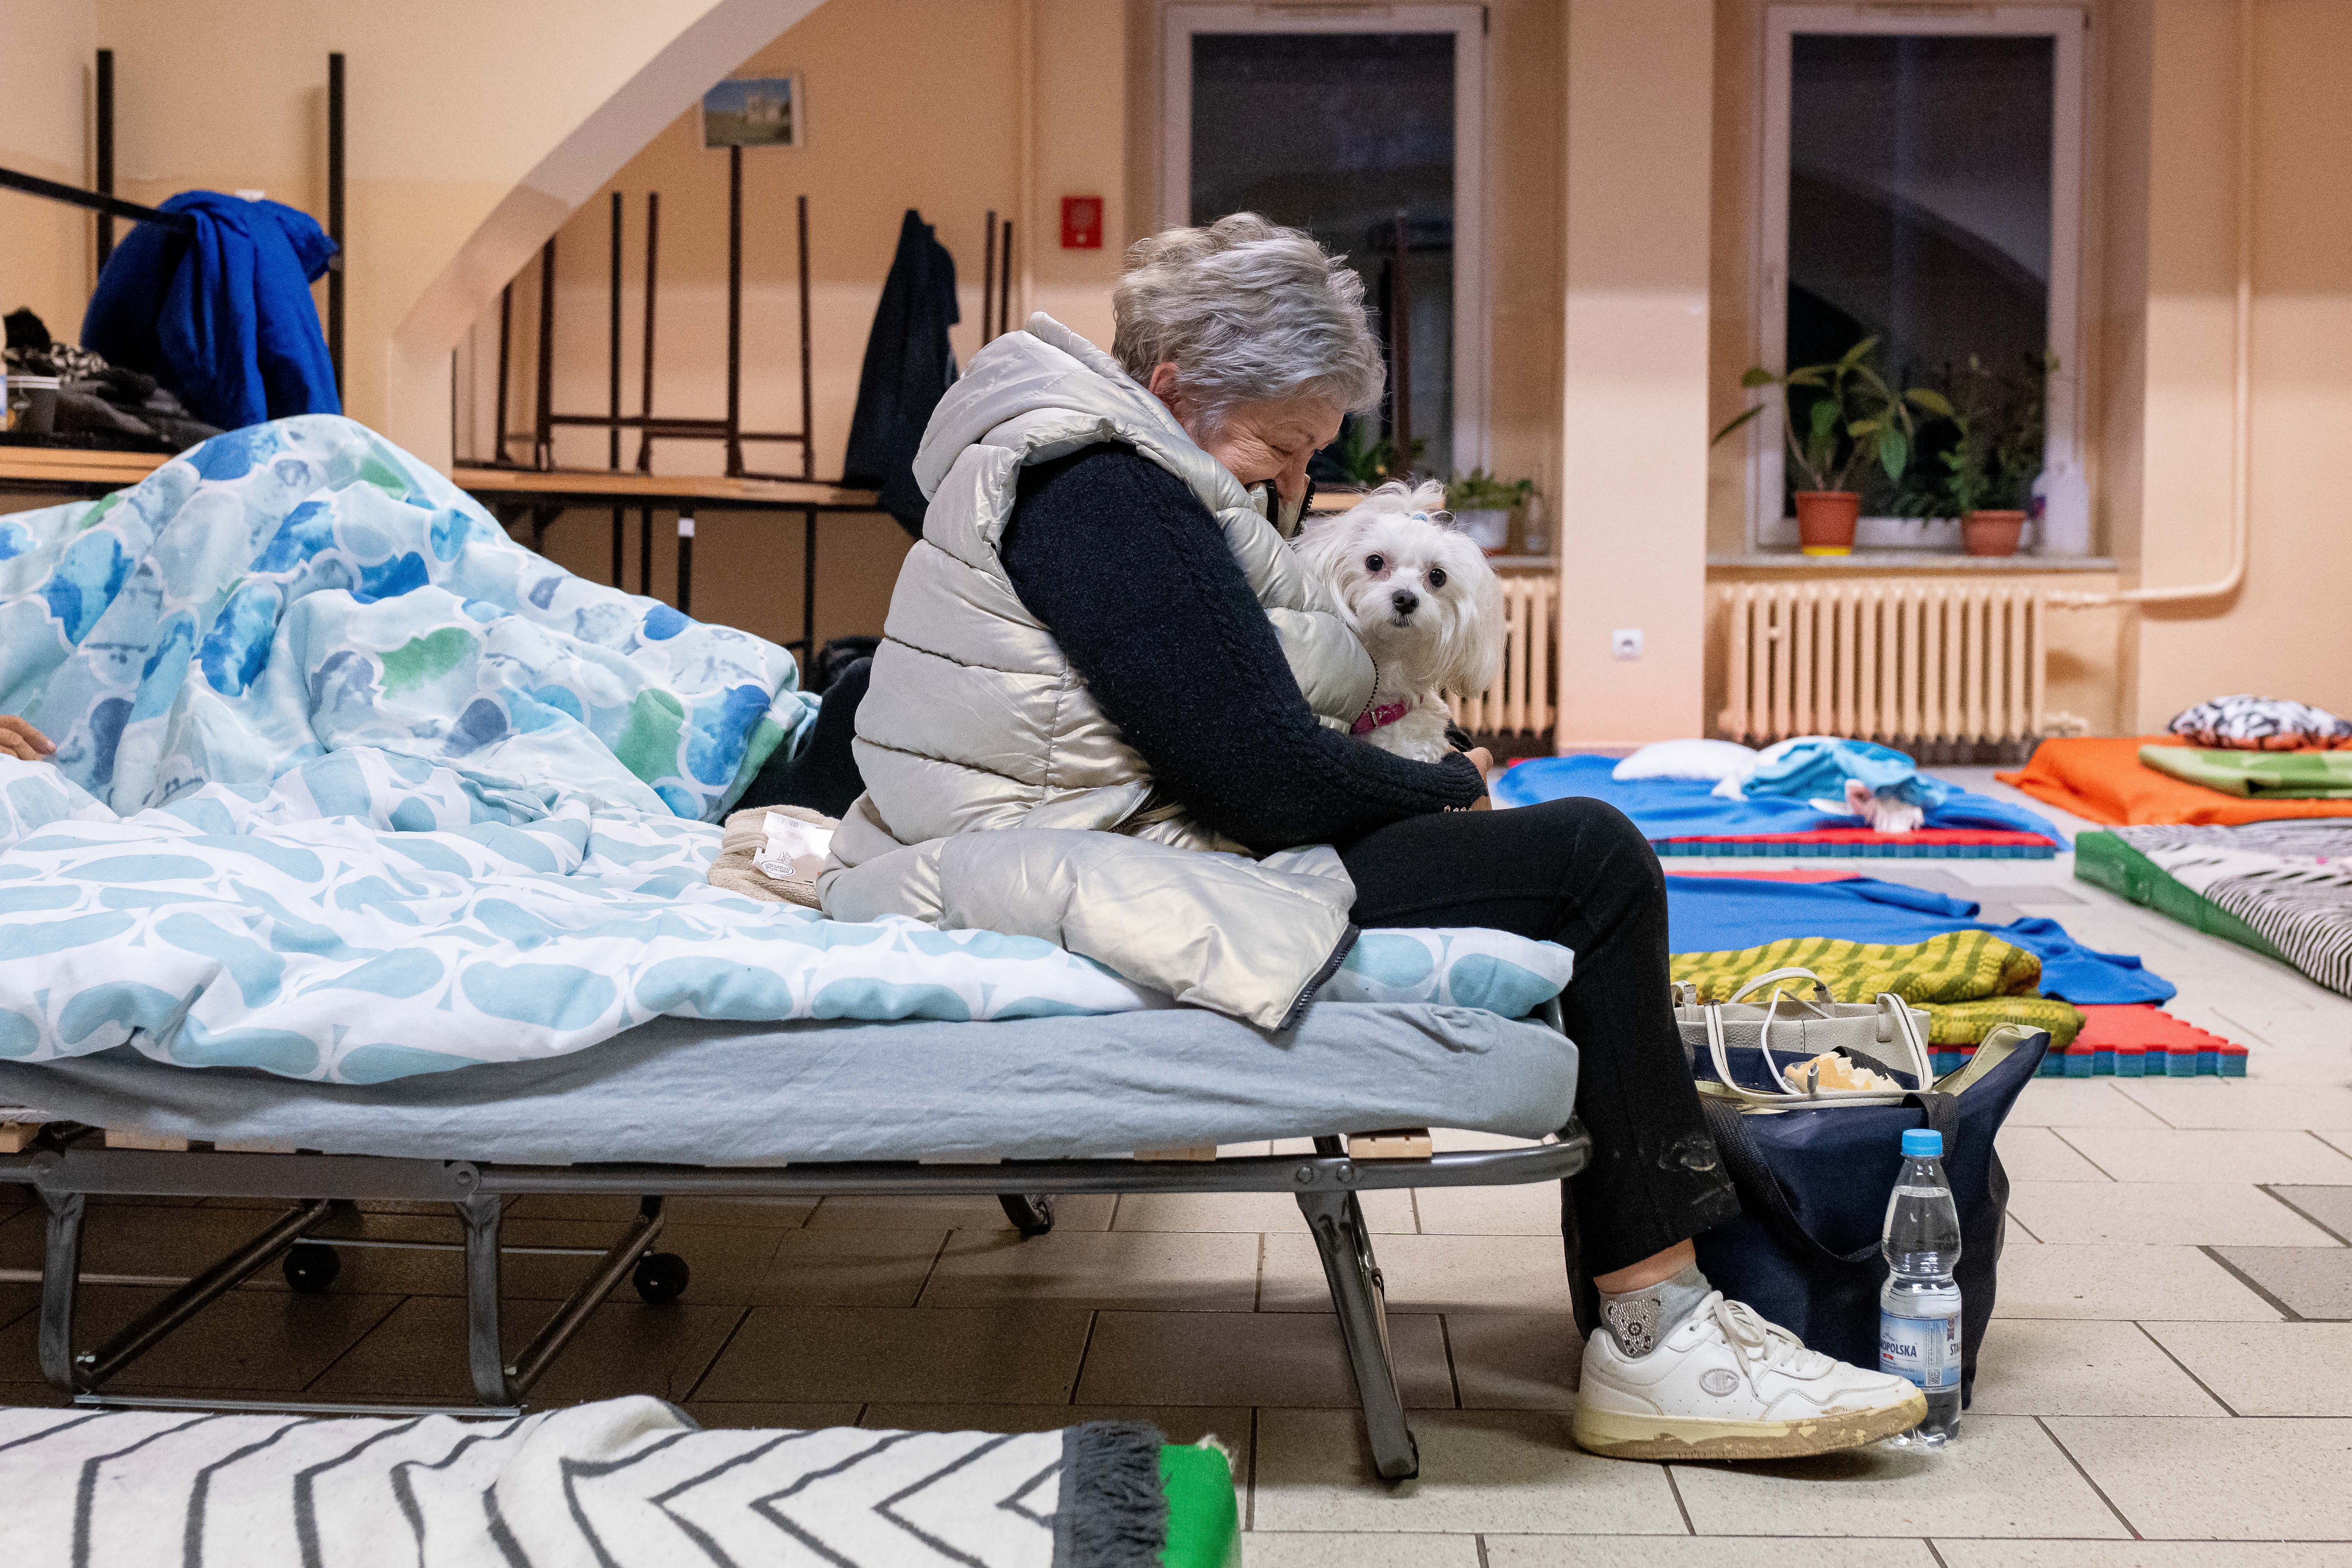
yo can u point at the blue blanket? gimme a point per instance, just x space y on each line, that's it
1721 914
1682 809
222 316
350 786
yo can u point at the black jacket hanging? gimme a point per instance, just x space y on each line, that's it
908 367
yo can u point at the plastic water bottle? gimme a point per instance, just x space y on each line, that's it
1919 1309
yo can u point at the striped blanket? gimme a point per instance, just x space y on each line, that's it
627 1483
1968 981
2290 881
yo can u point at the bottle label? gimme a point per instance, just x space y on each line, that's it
1926 1351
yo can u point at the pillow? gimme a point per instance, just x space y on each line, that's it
1707 759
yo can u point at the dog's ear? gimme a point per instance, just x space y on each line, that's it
1323 551
1470 656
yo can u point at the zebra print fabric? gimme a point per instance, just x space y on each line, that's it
2290 881
627 1483
2260 724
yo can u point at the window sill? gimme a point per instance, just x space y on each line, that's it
1905 561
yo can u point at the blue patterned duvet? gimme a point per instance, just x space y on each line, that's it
350 787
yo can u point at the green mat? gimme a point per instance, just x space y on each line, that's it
2105 861
1203 1521
2258 774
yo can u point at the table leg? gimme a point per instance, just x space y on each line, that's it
619 527
686 561
645 551
808 594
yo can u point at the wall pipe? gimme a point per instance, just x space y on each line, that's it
2241 402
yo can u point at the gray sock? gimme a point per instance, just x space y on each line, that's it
1640 1320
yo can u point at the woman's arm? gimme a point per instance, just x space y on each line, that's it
1133 577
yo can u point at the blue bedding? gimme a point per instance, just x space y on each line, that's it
1720 914
1683 808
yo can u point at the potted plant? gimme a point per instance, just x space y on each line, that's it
1482 507
1990 468
1848 417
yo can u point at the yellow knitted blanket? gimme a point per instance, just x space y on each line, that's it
1968 981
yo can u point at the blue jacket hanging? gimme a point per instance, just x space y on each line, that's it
222 316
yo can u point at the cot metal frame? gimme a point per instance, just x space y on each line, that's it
68 1164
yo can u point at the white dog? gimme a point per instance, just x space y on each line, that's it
1424 601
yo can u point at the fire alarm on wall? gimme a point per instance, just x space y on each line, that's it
1082 223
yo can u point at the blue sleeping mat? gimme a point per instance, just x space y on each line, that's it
688 1092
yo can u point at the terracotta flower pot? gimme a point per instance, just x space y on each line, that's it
1825 520
1992 533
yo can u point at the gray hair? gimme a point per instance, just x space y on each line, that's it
1247 312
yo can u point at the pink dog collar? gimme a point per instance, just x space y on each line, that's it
1373 718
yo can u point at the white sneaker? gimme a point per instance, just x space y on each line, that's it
1726 1385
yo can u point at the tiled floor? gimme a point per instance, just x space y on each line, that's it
2170 1370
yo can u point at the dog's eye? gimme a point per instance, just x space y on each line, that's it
1437 577
1375 562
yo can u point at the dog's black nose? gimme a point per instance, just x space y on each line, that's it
1405 600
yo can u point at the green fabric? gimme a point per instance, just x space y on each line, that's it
2258 774
1203 1521
2105 861
1969 982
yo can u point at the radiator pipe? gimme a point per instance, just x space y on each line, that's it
2242 400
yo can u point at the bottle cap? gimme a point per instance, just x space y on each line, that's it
1923 1144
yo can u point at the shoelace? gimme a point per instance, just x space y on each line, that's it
1760 1342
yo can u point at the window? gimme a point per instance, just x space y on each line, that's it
1363 128
1921 184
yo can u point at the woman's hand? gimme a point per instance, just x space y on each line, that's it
22 741
1485 761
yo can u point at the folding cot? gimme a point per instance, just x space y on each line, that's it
1022 1110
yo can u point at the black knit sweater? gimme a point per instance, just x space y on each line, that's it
1133 577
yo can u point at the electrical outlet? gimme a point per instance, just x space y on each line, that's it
1625 643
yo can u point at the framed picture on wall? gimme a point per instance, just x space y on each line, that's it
758 111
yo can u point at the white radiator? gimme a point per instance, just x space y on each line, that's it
1520 701
1908 665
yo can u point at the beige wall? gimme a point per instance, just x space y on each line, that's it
1632 514
1011 105
46 52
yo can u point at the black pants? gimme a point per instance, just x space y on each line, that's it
823 775
1580 874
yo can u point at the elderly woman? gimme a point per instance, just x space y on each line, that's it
1101 662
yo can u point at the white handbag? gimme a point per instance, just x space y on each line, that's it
1880 1034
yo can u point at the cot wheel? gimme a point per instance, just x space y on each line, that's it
310 1268
661 1277
1032 1213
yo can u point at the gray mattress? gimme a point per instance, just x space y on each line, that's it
679 1090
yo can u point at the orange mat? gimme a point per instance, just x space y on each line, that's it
2103 778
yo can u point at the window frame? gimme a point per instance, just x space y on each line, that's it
1766 450
1473 287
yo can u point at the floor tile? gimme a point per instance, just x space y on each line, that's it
1387 1212
1161 1271
2264 1369
1525 1208
2002 1476
2138 1555
1321 1548
2043 1366
2123 1281
2230 1102
2079 1102
248 1340
2037 1153
1700 1551
2151 1153
2198 1214
1504 1470
1251 1358
1228 1424
2313 1282
771 1417
1010 1356
2329 1206
1515 1361
2220 1480
768 1213
624 1347
172 1241
724 1261
1429 1274
1074 1211
848 1268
